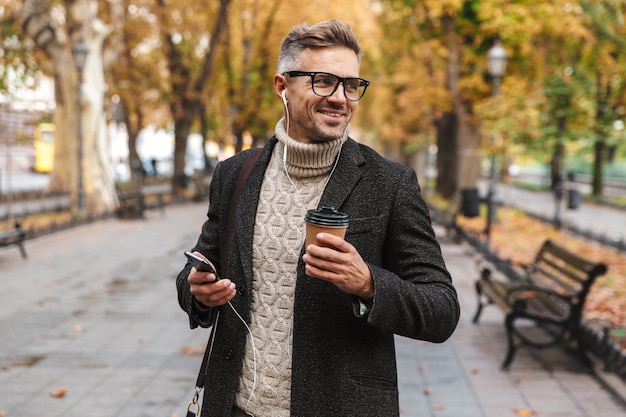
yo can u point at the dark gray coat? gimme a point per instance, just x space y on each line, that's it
343 365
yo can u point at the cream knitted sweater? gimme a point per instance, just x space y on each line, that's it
265 383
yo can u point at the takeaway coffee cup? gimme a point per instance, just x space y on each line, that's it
326 220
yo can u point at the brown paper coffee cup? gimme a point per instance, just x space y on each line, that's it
325 220
313 229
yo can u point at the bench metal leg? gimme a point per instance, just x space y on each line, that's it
485 274
22 250
580 347
511 343
161 204
479 308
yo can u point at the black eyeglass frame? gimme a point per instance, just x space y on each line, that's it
340 80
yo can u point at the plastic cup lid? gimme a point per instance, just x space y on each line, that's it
326 216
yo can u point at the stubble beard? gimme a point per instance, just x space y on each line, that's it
318 132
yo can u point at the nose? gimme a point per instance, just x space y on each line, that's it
339 95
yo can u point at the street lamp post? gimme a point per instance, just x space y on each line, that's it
496 62
79 53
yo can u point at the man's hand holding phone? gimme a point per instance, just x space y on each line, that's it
205 284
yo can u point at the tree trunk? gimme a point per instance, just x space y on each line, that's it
557 165
182 129
64 173
602 96
82 23
187 92
467 144
598 174
447 166
134 121
97 164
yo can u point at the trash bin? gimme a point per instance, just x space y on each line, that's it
470 202
573 199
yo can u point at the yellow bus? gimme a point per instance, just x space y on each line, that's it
43 143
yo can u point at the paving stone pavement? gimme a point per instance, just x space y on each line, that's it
93 310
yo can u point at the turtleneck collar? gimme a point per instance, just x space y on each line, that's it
307 159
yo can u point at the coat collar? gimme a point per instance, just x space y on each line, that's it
345 177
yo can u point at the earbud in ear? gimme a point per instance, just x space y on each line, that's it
284 98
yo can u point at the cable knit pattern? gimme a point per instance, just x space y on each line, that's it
277 242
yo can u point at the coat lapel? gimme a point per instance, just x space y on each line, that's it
345 177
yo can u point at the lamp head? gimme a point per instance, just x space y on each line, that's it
79 53
496 60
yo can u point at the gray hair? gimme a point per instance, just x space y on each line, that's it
324 34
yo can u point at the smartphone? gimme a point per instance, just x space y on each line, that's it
201 264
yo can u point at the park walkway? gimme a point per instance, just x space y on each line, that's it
93 311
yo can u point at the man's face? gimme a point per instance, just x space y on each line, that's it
320 119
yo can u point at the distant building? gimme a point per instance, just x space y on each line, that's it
22 105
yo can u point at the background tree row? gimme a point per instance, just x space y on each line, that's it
206 66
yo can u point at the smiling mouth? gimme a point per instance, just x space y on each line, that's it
331 114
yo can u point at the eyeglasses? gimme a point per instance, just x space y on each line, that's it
325 84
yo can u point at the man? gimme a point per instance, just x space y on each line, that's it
310 331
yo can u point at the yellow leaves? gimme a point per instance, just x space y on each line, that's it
439 8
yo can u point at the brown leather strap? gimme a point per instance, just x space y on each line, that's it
241 182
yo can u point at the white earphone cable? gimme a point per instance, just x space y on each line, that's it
253 350
286 112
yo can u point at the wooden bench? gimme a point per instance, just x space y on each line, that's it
550 293
14 236
446 219
134 199
132 202
201 183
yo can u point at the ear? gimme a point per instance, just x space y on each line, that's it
280 86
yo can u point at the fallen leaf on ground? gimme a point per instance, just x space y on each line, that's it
427 391
60 392
522 412
192 350
439 407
